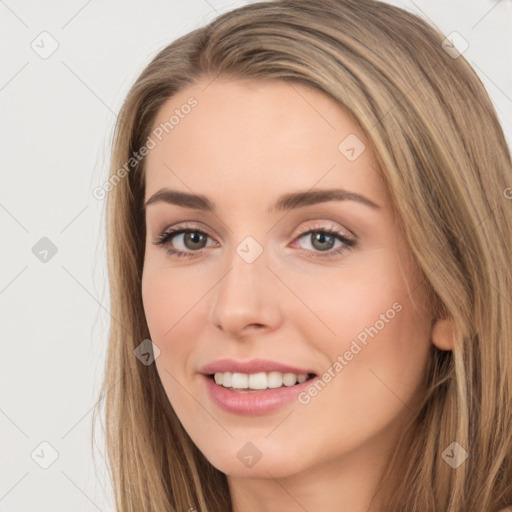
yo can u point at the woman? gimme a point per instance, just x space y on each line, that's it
308 239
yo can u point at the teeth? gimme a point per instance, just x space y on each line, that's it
261 380
239 380
303 377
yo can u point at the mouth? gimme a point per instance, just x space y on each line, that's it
258 382
255 386
251 394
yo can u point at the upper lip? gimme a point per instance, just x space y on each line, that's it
251 366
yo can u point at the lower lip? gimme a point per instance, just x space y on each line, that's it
253 403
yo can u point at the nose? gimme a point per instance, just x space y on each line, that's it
246 299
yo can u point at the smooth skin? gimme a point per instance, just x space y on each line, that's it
243 146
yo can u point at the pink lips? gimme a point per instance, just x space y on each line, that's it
255 402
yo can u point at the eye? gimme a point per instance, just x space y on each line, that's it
192 240
323 240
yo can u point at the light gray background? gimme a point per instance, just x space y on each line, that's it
58 115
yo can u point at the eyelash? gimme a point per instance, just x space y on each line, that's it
170 233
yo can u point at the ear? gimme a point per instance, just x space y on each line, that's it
443 334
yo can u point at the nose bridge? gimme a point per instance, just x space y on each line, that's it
246 294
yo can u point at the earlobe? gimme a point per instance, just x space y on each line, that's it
443 334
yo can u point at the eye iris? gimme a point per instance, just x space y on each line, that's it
320 237
195 238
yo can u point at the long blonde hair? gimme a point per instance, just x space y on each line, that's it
447 167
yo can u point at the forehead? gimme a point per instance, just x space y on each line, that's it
259 138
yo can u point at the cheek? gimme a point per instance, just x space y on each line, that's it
164 309
375 360
169 306
167 300
369 319
345 302
175 312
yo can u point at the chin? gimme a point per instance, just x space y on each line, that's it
270 466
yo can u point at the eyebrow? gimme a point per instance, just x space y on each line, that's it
285 202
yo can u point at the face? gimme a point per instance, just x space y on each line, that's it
323 286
